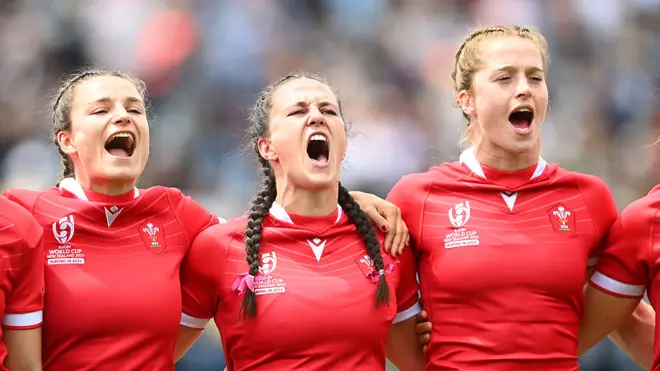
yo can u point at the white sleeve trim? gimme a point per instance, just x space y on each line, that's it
192 322
617 287
23 319
408 313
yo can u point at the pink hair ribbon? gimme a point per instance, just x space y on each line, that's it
246 280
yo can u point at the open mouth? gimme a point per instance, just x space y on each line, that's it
318 149
521 118
121 144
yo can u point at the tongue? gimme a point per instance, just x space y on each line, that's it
118 152
519 123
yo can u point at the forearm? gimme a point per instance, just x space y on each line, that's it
402 347
635 336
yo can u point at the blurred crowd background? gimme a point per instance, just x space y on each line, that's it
205 61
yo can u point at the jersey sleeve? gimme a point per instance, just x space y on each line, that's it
407 292
602 209
201 275
409 195
191 215
24 308
24 198
624 266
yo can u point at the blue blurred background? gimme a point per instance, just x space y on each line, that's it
205 60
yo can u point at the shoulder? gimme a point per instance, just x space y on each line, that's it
27 199
20 220
640 215
588 182
221 235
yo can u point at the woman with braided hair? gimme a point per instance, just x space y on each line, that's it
317 292
113 251
506 241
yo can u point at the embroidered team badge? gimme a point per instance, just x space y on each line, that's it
368 267
153 236
562 219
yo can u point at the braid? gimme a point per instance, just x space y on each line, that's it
261 204
368 232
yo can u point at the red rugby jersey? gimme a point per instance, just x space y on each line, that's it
22 278
113 297
501 258
316 306
631 258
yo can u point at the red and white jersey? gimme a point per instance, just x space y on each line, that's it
22 274
502 259
316 302
631 258
113 297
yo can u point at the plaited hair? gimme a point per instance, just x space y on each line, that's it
468 61
63 102
264 199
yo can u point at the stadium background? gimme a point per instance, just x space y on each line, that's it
204 61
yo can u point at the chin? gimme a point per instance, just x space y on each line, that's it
124 173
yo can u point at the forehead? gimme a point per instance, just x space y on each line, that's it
112 87
302 90
498 52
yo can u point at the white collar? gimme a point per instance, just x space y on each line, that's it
279 213
72 186
470 160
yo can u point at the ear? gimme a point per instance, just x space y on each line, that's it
266 149
467 103
65 141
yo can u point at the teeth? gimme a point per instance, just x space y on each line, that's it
131 139
317 137
524 110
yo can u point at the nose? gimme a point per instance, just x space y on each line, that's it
122 117
523 90
315 116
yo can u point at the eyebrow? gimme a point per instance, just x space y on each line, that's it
307 103
127 100
509 68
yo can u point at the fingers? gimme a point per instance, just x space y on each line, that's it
424 340
401 237
423 328
422 316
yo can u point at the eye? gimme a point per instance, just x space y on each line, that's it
136 111
100 111
297 112
331 112
536 78
503 78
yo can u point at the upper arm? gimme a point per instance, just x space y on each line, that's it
23 349
407 290
201 276
621 275
623 267
402 347
26 275
602 209
409 195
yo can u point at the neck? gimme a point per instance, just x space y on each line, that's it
105 186
498 158
307 202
